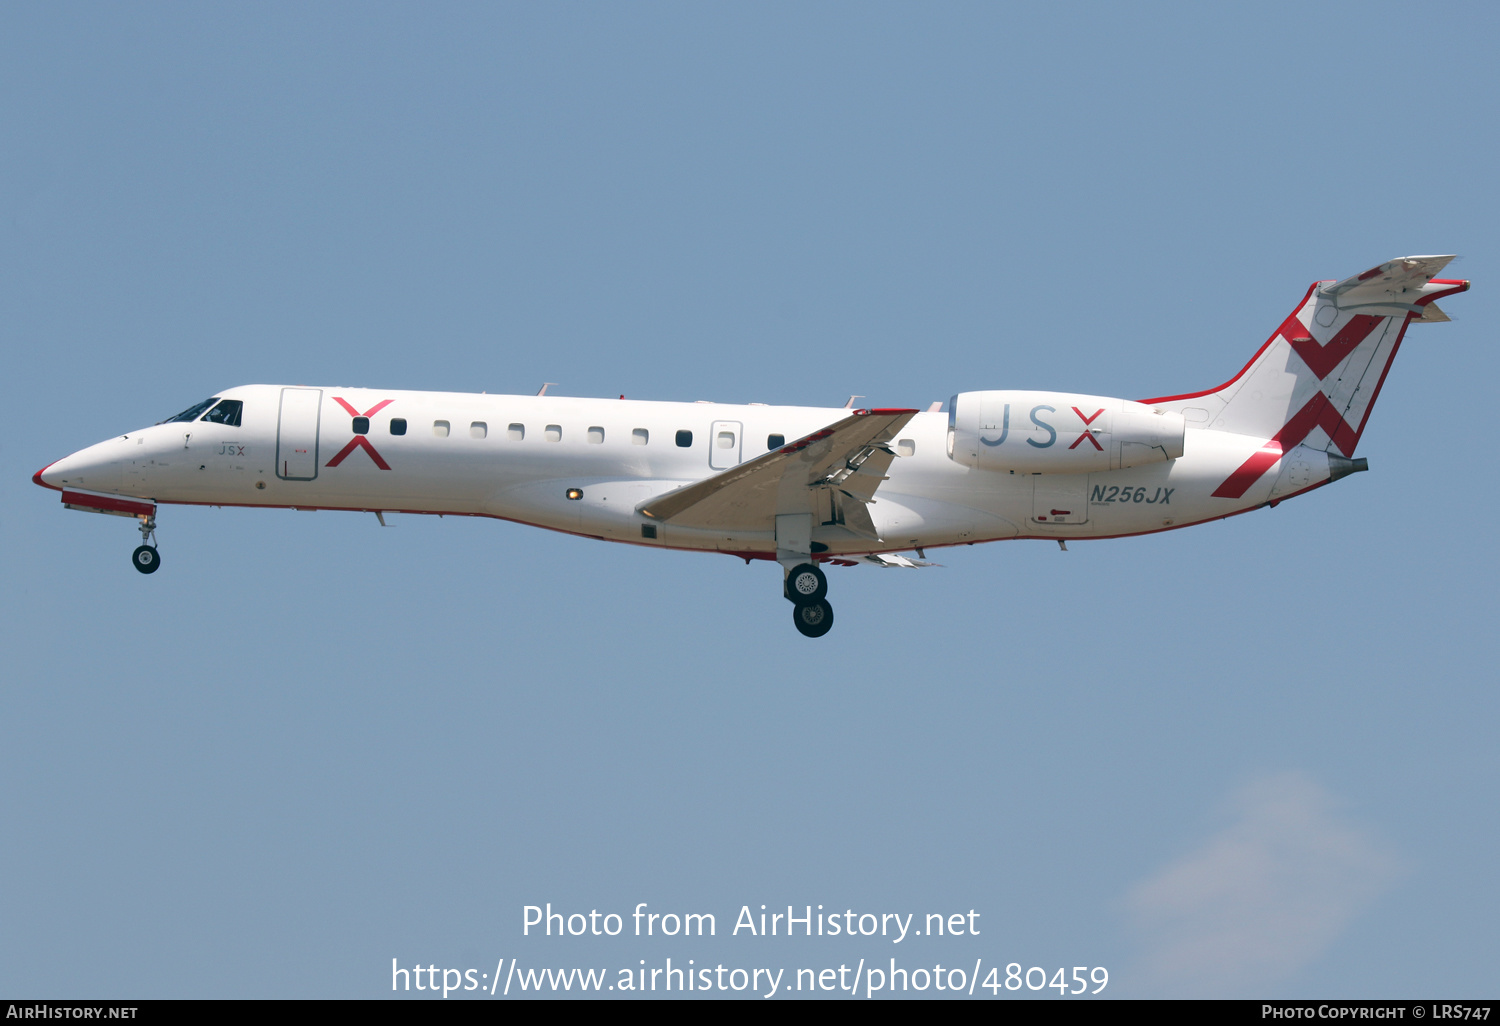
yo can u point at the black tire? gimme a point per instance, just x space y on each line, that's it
813 619
806 583
145 559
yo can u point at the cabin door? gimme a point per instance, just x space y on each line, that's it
297 434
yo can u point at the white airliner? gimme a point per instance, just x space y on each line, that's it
803 486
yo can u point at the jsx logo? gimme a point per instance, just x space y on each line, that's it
1005 428
361 427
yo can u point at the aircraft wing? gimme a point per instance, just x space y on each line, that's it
848 459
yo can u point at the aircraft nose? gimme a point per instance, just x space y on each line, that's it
46 477
91 468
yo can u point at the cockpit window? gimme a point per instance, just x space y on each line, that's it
227 413
192 412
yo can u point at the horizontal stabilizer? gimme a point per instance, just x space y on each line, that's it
1432 315
1395 283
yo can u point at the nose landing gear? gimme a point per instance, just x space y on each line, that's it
145 557
806 589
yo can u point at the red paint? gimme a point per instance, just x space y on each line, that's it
1322 359
1241 374
358 442
1249 472
1318 412
1087 434
109 502
887 412
37 478
1372 272
368 413
1460 285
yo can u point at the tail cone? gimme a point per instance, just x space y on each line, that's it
1342 466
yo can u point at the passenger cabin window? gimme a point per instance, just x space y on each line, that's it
596 436
440 428
906 447
226 413
684 439
192 413
640 436
554 432
775 441
398 425
726 440
478 429
361 425
516 432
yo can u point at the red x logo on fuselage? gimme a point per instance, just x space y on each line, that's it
1087 434
359 441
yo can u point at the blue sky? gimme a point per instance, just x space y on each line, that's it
1251 758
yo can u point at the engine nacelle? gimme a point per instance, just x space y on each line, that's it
1059 432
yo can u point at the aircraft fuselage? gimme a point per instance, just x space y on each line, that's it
520 457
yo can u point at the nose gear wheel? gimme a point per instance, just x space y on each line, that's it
145 557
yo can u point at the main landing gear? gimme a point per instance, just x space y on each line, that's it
806 589
145 558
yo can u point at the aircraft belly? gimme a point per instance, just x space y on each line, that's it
911 520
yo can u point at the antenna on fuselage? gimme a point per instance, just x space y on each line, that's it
850 404
545 385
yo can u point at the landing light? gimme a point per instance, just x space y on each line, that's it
575 493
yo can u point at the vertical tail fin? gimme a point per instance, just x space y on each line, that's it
1316 379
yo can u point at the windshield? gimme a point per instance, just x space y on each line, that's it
227 413
192 412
